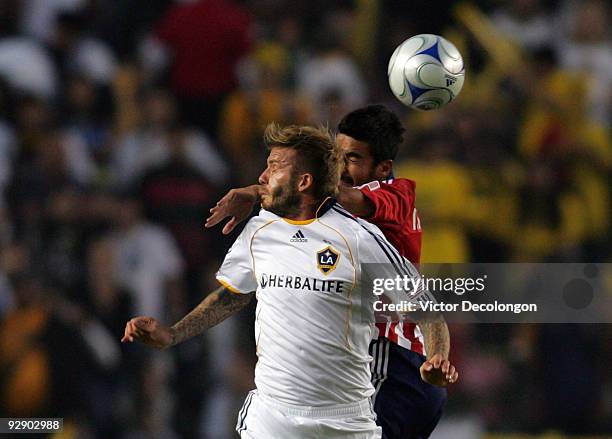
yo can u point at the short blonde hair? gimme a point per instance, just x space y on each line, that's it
317 152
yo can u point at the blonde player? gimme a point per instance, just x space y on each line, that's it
303 256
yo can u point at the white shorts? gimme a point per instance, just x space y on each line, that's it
264 418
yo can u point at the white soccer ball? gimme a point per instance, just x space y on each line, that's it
426 72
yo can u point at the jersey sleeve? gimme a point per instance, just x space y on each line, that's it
393 203
236 272
380 261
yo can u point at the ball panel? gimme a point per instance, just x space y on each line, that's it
432 51
431 74
397 81
433 99
412 67
393 59
450 57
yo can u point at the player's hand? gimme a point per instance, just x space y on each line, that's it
149 331
438 371
237 204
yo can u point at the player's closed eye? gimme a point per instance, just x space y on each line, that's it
352 157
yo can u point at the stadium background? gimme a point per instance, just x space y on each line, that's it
123 121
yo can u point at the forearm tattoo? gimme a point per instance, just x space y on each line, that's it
436 335
216 307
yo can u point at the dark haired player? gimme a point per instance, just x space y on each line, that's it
408 399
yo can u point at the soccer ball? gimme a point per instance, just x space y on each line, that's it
426 72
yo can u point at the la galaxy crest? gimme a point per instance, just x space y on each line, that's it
327 260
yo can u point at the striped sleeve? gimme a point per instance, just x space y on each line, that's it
380 260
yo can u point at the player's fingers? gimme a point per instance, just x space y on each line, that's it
128 333
427 366
450 373
436 360
132 330
454 378
137 332
231 224
125 338
213 219
222 203
445 365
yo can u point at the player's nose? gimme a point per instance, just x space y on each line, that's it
263 178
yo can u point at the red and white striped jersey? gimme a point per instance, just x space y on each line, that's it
396 216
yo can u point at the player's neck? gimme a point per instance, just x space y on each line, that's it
307 210
387 177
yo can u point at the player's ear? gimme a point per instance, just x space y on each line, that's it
383 169
305 181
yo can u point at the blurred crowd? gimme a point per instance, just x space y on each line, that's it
123 121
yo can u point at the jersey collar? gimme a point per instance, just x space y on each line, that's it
323 208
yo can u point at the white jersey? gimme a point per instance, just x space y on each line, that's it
313 322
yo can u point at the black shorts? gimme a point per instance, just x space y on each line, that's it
406 406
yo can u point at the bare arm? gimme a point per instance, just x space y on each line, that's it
355 202
237 204
216 307
437 369
436 335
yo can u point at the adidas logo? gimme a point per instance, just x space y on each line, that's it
298 237
450 80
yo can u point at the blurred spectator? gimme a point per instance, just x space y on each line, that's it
148 145
33 119
289 33
26 65
567 155
146 261
77 53
8 153
26 384
87 133
13 260
38 17
332 80
262 97
569 379
445 198
62 243
526 22
37 180
206 39
176 194
54 358
111 303
587 48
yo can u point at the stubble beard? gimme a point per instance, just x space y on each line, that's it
285 200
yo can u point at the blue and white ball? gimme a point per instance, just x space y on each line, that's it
426 72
